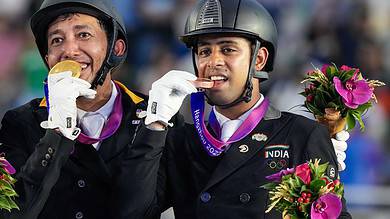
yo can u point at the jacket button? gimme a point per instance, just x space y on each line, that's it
245 197
79 215
47 156
81 183
50 150
44 163
205 197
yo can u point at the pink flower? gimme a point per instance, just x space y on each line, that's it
327 206
347 68
354 92
7 166
323 68
303 172
309 98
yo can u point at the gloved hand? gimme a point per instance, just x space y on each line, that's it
340 146
167 95
63 90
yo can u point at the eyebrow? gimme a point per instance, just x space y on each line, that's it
77 27
80 27
204 43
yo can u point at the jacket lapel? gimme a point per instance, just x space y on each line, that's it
99 162
113 145
242 151
90 159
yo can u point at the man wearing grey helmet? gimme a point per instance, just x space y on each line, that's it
73 150
216 170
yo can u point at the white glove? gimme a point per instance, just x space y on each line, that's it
63 90
167 95
340 146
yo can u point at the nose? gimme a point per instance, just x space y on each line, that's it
71 50
216 59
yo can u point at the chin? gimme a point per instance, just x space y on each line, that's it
219 100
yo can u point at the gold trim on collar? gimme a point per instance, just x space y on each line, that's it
136 99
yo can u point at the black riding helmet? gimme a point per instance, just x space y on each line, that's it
246 18
101 9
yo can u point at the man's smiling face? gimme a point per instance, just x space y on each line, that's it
77 37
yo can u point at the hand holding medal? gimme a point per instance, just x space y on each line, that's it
62 88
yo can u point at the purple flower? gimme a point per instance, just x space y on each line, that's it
327 206
354 92
277 177
7 166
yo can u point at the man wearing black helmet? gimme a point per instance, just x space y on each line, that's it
216 170
73 149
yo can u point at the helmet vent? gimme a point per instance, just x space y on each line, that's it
210 15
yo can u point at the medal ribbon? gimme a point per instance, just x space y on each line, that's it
213 146
113 122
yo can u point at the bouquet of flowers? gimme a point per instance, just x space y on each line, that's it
339 96
7 192
305 192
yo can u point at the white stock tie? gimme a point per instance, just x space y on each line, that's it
228 129
92 125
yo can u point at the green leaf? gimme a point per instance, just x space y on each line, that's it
330 71
350 121
313 109
363 108
322 168
269 186
294 194
332 105
316 185
346 75
358 117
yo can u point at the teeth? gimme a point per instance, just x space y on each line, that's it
83 66
217 78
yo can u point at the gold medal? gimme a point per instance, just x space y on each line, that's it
67 65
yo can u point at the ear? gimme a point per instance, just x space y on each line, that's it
46 58
120 47
262 57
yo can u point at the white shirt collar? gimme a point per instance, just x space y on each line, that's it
105 110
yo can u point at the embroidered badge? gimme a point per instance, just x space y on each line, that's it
277 164
331 171
243 148
259 137
140 113
276 151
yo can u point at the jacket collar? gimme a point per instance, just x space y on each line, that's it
235 158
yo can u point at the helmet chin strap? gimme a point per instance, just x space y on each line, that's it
111 59
246 95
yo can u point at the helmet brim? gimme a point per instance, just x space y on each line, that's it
191 38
